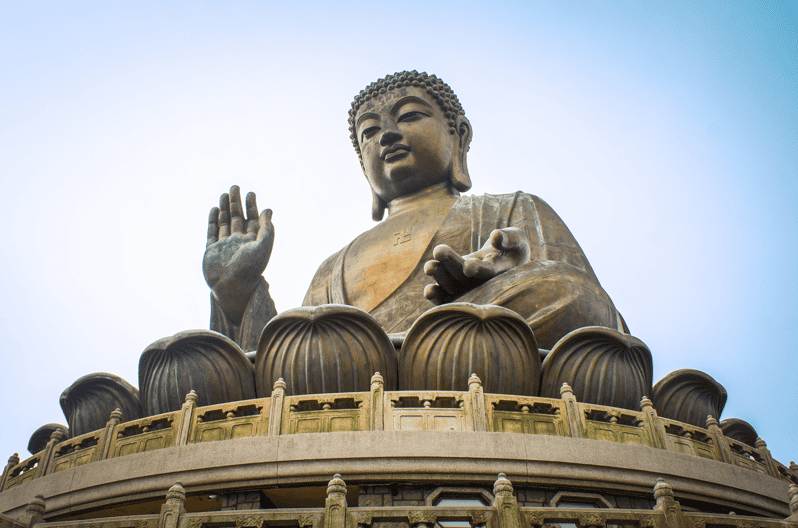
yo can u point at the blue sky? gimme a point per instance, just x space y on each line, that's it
665 134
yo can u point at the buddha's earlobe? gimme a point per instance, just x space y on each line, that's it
460 178
378 207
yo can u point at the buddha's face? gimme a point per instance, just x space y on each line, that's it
404 142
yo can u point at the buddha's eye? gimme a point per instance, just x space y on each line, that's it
369 132
413 115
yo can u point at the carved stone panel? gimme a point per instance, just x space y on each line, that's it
602 366
689 396
89 402
450 342
206 362
324 349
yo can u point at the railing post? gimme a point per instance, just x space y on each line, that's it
505 503
34 511
186 418
13 460
109 433
670 508
49 451
335 504
278 402
652 423
792 494
377 403
572 412
477 396
722 446
173 508
762 447
422 519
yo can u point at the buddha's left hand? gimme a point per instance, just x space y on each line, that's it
455 275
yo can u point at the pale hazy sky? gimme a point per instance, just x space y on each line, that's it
665 134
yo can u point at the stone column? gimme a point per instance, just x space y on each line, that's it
278 402
762 447
652 423
477 397
49 451
793 496
186 418
377 403
506 505
669 506
721 445
174 507
13 460
109 434
572 412
335 505
34 512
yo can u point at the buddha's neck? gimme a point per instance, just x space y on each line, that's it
441 191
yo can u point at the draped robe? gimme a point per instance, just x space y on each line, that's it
556 292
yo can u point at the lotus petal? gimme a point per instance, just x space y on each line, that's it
603 367
689 396
739 430
206 362
324 349
450 342
89 402
40 437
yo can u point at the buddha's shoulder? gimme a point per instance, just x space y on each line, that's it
509 199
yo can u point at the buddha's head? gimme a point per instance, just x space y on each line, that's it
410 133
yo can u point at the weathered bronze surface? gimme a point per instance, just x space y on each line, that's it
40 437
89 402
602 365
434 247
739 430
689 396
331 348
208 363
448 344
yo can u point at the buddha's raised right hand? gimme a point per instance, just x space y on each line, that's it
237 252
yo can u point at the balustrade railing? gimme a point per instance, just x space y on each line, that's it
378 410
503 512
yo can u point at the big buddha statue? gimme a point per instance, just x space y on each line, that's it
444 290
431 246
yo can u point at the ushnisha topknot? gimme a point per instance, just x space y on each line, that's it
438 90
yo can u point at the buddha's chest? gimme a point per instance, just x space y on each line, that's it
380 260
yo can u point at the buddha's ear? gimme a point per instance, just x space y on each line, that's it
460 178
378 207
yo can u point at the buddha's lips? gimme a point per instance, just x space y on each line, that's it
394 148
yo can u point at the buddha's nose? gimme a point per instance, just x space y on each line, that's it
390 134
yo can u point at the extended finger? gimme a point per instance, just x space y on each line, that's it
451 261
213 226
236 211
433 293
437 271
265 237
252 213
224 215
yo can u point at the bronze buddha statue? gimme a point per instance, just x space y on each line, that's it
435 246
